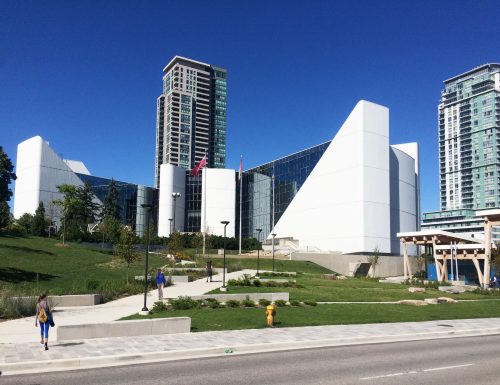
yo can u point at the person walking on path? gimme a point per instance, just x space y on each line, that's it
208 269
160 282
44 316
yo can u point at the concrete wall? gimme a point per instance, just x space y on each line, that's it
125 328
389 266
67 300
240 297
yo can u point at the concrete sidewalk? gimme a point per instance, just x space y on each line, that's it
23 330
31 358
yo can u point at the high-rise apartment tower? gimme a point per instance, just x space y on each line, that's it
191 115
469 140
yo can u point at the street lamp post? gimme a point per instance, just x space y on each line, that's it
273 235
170 220
224 288
258 252
148 208
175 195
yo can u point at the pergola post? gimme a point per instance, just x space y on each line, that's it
478 268
487 252
405 260
436 263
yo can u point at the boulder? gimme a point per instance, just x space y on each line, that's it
416 289
452 289
431 301
445 300
412 302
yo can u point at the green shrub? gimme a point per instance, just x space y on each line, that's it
310 303
247 302
92 285
256 283
243 281
184 303
264 302
19 307
280 302
159 306
295 303
212 303
232 303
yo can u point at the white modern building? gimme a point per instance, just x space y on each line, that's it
351 195
40 170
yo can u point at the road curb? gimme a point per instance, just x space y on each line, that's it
176 355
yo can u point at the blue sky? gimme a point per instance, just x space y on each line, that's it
85 75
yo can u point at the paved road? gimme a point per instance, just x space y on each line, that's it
452 361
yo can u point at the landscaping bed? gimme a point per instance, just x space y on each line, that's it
208 319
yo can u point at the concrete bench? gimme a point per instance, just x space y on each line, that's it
125 328
66 300
240 297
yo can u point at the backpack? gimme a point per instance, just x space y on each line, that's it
42 315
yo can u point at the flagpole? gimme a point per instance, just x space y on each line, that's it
204 187
241 195
273 202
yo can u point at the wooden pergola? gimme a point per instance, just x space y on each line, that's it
449 246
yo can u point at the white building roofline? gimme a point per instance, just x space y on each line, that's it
177 58
475 69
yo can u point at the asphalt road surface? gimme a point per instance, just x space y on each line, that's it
457 361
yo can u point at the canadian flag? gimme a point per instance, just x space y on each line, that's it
200 165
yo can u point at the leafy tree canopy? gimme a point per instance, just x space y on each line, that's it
6 176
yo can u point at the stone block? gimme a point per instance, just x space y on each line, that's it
124 328
412 302
452 289
240 297
66 300
445 300
416 289
431 301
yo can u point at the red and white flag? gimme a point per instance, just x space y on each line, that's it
203 163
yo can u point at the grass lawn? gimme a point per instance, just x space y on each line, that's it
334 314
315 288
31 265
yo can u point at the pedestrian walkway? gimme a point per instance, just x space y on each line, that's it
29 357
23 329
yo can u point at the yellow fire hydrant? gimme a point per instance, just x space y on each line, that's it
270 314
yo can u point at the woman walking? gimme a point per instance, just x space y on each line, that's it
44 316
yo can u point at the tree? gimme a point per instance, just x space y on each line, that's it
111 207
78 210
88 207
6 176
197 242
39 221
374 259
25 223
125 247
4 215
111 229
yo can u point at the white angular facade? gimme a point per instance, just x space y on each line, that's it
172 180
360 193
39 171
218 201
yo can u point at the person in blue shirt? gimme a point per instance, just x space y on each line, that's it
160 282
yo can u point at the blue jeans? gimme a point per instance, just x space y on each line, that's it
44 328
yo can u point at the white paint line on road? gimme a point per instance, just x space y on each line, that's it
447 367
415 372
